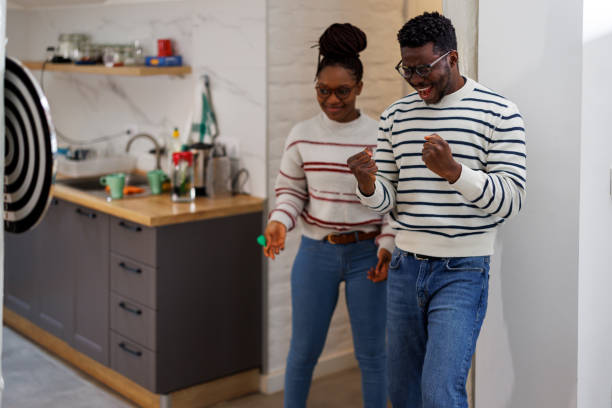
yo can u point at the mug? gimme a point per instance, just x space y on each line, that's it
156 179
164 47
115 182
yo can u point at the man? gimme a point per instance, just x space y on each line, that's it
450 168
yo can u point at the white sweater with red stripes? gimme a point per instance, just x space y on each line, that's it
316 185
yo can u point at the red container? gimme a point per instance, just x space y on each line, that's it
164 47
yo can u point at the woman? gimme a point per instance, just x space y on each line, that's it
340 236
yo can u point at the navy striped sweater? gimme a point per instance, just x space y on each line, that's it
486 135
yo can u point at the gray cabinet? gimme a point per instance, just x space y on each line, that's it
57 276
53 254
22 260
186 300
168 307
38 277
89 238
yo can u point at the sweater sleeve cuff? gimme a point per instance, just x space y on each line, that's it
387 242
374 200
282 217
470 183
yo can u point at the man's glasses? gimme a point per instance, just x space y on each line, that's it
341 92
420 70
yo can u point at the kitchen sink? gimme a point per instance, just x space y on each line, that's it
92 184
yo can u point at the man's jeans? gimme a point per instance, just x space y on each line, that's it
434 314
318 269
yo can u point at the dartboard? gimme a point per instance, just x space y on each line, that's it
30 149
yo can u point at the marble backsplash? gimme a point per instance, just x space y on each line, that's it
226 40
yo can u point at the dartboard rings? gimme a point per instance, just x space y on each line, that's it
30 149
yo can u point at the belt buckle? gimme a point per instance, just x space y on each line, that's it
418 258
329 239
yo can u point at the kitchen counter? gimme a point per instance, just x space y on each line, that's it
159 210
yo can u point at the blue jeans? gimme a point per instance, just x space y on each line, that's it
434 314
318 269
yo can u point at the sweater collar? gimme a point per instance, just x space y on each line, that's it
336 126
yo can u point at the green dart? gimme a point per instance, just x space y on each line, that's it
261 240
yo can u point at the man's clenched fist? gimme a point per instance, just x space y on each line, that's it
438 158
364 169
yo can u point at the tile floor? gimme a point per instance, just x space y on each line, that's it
35 379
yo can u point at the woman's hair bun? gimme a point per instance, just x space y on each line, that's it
342 40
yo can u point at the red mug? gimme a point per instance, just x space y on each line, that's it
164 47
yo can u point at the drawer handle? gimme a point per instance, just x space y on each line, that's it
85 213
129 268
129 309
136 353
134 228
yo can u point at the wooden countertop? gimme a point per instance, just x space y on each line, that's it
158 210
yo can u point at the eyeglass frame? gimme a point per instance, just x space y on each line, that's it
414 70
334 90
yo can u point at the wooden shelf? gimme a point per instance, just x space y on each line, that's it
102 70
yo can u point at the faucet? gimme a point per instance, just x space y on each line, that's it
146 136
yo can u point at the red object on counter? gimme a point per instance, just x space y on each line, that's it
164 47
178 156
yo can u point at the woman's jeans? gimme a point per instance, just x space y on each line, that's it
318 269
434 314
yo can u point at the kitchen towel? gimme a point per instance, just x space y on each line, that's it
201 124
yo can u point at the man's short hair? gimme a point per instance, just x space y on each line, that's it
426 28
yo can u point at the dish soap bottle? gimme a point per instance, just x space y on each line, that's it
175 143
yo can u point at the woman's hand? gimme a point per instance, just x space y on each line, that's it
379 273
275 234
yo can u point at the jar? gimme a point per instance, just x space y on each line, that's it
87 53
64 48
118 56
77 40
113 56
69 45
108 56
183 189
129 55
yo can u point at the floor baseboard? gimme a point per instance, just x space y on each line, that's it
275 381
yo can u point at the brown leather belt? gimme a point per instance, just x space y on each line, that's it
350 237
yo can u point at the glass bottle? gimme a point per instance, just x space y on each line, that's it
183 189
139 57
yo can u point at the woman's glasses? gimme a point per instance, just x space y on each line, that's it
342 92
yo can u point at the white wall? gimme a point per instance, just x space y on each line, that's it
531 52
595 280
225 39
464 15
293 26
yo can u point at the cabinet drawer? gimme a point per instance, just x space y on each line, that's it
133 280
133 240
133 361
133 320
